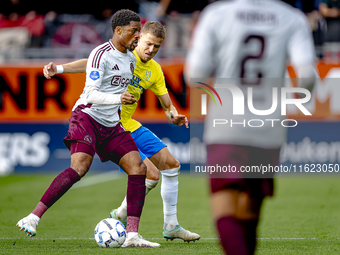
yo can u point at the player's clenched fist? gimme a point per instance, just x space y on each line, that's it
50 70
179 120
127 98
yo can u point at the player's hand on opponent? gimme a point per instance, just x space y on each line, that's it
179 120
50 70
127 98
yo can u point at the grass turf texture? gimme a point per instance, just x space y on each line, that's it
302 218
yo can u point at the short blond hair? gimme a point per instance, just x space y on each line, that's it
155 28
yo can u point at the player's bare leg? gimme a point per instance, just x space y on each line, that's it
236 215
133 165
80 164
169 167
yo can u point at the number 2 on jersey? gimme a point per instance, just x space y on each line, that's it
258 56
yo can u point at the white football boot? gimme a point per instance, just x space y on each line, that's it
138 241
28 225
180 233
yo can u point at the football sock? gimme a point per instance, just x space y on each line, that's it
39 210
132 224
135 197
232 236
169 193
150 184
249 229
62 183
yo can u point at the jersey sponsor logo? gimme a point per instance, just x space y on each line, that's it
94 75
135 79
118 80
115 67
134 82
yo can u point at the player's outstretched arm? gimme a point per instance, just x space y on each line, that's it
78 66
171 112
94 96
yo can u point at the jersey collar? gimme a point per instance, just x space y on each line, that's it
114 49
138 58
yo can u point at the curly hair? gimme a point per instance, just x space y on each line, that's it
155 28
123 18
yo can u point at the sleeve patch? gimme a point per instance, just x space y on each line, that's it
94 75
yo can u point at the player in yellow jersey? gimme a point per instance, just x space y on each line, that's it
147 75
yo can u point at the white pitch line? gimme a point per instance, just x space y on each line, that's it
286 238
158 238
260 238
98 178
41 239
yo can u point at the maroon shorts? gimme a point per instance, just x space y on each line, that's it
236 156
110 143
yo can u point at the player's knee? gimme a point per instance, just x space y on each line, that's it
173 163
152 174
248 207
81 170
176 164
81 163
139 169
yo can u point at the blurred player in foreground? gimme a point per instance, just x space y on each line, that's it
95 127
148 75
246 43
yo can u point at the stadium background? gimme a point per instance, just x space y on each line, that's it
302 218
34 111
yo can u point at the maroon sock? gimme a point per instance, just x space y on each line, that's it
249 228
62 183
232 236
135 197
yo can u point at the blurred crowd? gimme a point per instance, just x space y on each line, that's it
74 24
324 19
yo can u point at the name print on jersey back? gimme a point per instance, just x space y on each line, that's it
257 17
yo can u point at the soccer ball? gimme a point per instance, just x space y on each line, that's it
110 233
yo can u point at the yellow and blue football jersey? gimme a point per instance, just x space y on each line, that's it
147 75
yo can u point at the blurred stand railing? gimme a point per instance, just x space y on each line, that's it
71 37
19 55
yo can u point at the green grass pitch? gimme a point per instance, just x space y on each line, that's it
302 218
